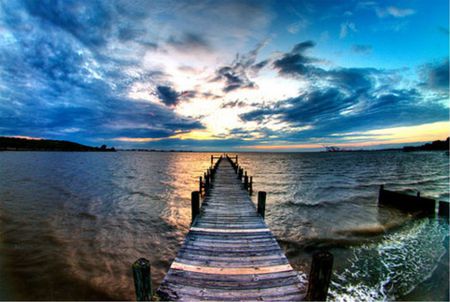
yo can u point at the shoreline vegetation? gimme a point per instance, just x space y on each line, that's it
24 144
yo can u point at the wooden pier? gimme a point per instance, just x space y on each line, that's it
229 253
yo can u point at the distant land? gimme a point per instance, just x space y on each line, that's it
434 146
23 144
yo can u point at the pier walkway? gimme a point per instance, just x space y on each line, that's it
229 253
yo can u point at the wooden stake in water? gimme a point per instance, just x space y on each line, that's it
195 204
142 279
262 203
319 277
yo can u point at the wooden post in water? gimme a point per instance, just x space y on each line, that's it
212 159
200 184
262 203
246 181
250 185
236 159
207 182
241 171
142 279
443 209
319 276
195 205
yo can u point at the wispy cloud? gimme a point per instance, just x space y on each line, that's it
393 11
347 28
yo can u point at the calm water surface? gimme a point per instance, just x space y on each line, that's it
71 224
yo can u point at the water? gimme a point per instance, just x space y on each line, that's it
72 223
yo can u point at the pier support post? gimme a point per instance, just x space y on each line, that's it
207 182
246 181
250 186
319 276
262 203
212 159
195 204
142 279
200 184
443 209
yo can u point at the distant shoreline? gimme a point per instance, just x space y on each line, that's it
23 144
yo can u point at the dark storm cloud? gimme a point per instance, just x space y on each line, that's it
56 82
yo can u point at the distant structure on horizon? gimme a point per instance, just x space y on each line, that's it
333 149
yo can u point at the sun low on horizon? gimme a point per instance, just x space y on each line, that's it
226 75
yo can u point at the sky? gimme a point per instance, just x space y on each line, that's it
226 75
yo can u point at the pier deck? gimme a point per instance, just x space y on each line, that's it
229 253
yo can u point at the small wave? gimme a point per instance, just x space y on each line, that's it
392 267
371 229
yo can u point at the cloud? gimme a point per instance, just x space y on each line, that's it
167 95
349 98
435 76
233 104
296 62
395 12
237 74
362 48
57 79
346 28
189 41
295 27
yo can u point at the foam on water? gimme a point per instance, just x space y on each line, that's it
392 267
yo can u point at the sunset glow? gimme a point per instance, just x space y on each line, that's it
225 75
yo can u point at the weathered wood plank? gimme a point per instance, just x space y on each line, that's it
229 253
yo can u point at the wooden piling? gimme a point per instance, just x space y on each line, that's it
443 209
142 279
319 276
195 204
246 181
207 182
250 185
407 202
262 203
200 184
